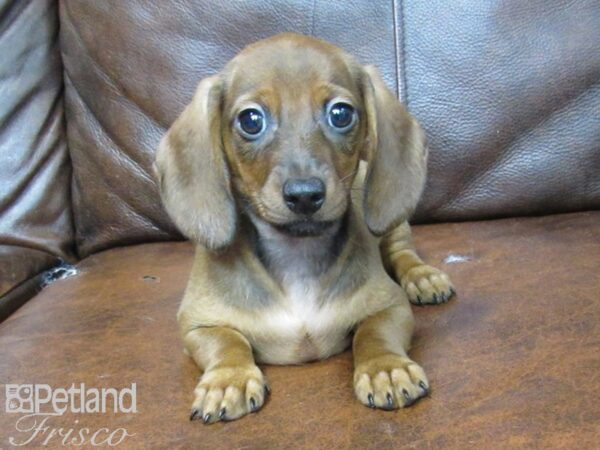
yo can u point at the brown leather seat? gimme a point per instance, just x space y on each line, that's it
507 92
513 360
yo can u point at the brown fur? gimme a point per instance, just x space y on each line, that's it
257 293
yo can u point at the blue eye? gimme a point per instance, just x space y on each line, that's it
251 123
341 116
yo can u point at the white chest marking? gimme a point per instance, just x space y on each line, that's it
304 325
303 328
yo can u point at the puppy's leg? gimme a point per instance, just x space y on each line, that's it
384 376
231 385
421 282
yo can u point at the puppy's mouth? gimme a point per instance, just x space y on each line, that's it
305 227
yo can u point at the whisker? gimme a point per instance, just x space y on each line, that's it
349 175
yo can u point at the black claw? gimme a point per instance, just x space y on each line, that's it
435 298
206 418
390 400
452 292
267 390
222 413
419 301
371 401
408 399
195 414
253 404
423 386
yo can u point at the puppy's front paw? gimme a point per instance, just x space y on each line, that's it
426 285
390 382
228 393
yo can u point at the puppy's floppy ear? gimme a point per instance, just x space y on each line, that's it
192 171
396 155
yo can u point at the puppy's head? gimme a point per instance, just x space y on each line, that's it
282 129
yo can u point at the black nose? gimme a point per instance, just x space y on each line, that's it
304 196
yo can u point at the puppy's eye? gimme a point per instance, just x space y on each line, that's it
251 122
341 116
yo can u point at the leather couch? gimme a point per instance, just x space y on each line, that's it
92 269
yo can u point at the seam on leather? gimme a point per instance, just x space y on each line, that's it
398 18
312 21
74 245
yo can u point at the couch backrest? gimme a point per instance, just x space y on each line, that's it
509 93
506 90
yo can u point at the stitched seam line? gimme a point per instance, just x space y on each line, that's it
399 38
314 13
396 56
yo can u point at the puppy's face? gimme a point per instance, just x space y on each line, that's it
279 132
292 125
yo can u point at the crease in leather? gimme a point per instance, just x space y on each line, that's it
9 15
18 295
50 121
17 264
119 152
36 225
110 80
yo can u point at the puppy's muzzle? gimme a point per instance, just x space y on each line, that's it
304 196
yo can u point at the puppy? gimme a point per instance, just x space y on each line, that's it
295 170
